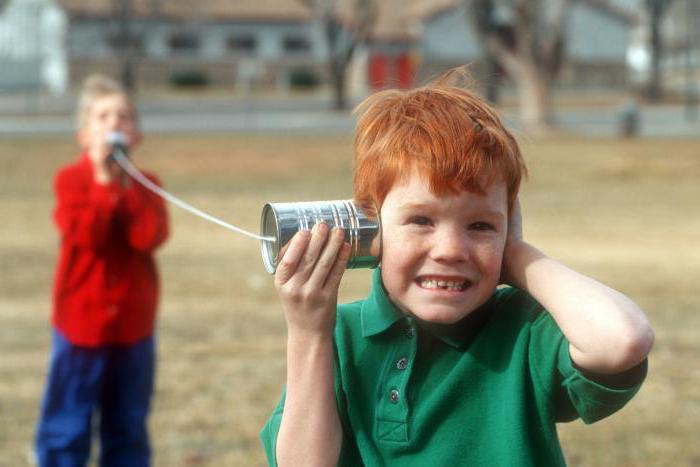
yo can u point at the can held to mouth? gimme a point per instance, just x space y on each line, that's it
362 228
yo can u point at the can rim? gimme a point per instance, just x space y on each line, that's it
266 246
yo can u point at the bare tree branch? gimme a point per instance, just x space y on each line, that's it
527 38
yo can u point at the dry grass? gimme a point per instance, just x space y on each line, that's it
624 212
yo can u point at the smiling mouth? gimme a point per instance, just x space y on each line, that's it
444 284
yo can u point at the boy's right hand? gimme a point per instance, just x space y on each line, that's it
105 170
308 277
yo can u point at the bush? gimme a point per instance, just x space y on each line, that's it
303 78
189 79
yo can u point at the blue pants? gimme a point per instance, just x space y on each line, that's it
115 381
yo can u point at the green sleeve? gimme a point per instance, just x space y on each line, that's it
268 435
591 400
349 456
573 394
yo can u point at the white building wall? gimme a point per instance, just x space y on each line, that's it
53 26
32 46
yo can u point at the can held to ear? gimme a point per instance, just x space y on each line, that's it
362 228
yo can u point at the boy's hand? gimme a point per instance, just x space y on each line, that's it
608 334
308 277
514 241
515 224
105 170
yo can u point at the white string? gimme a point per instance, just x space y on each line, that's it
124 162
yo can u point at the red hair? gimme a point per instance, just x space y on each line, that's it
449 134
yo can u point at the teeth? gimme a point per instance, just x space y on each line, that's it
441 284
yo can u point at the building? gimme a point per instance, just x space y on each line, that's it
242 42
597 37
280 43
32 51
680 64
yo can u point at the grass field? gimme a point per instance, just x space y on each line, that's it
627 213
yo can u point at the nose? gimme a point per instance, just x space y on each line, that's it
112 122
450 244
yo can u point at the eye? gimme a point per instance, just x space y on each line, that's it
419 220
482 226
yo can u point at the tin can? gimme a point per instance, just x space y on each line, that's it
362 228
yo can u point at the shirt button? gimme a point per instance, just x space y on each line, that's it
410 332
402 364
394 396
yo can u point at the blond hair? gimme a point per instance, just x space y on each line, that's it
94 86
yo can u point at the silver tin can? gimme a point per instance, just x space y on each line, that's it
280 221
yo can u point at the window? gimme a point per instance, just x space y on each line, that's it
297 44
123 41
243 43
184 43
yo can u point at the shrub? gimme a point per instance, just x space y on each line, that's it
189 79
303 78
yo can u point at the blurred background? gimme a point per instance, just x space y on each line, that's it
249 101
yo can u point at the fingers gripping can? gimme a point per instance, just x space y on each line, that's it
362 228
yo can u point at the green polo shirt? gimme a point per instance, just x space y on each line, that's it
486 391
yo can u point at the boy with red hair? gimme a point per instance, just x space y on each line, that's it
438 366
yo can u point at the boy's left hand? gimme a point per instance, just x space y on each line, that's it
515 224
514 240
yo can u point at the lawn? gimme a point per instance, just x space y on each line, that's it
625 212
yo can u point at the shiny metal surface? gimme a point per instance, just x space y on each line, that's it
282 220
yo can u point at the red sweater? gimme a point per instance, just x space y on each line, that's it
106 284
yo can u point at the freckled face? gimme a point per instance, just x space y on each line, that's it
441 256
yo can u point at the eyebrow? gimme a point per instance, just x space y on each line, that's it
414 205
491 212
408 206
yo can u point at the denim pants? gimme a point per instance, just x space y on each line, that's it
116 383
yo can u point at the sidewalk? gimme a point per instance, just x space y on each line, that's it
212 112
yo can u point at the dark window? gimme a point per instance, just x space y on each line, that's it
296 44
184 43
242 43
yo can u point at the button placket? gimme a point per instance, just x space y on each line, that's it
409 332
402 363
394 396
393 408
396 375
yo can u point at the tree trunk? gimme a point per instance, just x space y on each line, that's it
339 92
534 96
492 83
528 48
654 88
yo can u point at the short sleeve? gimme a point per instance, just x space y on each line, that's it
572 393
349 455
268 434
591 400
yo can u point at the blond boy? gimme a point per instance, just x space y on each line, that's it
105 295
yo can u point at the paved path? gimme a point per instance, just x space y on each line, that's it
309 115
